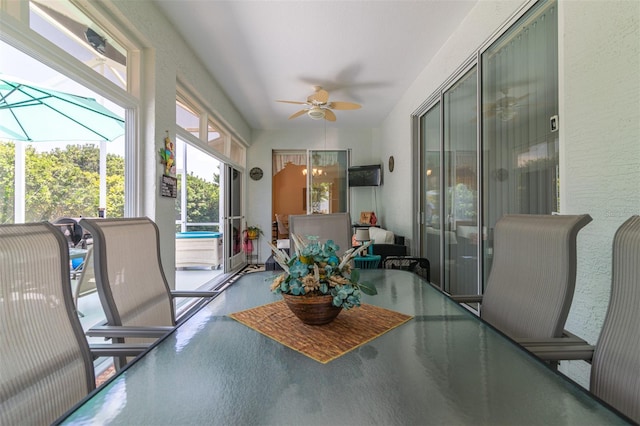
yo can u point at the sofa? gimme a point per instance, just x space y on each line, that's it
386 243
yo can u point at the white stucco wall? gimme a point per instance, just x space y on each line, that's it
600 145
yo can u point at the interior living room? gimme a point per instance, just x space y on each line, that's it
452 159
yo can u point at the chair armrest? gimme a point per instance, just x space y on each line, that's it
117 349
567 338
112 331
468 298
563 352
193 293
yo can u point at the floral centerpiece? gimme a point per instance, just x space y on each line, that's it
316 270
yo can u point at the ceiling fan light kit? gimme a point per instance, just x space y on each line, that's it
319 107
316 113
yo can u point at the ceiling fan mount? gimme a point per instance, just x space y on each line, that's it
318 106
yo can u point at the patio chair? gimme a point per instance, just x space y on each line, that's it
418 265
132 285
615 359
334 226
46 363
84 280
532 279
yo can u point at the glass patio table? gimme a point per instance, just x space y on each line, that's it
444 366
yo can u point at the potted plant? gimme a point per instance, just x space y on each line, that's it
317 284
253 232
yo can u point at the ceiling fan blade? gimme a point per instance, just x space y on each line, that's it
344 105
292 102
321 97
298 114
329 115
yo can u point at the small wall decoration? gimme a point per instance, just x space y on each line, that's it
368 218
392 163
169 186
167 156
256 173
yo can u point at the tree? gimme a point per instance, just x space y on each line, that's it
61 182
203 200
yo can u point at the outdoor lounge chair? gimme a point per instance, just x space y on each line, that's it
46 365
131 282
615 359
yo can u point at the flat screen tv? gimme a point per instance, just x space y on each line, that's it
365 175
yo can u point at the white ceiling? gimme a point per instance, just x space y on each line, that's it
363 51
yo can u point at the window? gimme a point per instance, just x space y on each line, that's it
70 29
209 192
47 180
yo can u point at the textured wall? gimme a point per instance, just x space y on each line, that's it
600 144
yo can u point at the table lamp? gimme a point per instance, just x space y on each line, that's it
362 236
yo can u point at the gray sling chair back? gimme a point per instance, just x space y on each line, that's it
132 285
532 278
334 226
46 364
615 359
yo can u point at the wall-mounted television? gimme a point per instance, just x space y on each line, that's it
365 175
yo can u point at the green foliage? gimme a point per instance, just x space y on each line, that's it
203 201
61 182
66 182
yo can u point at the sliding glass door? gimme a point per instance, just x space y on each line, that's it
520 107
512 95
460 186
430 199
308 182
327 181
233 217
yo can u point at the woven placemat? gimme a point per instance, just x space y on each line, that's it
351 329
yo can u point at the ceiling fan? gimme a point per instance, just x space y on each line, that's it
319 107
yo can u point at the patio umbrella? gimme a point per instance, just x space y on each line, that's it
34 114
30 113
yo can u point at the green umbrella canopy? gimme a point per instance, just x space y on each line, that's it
30 113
